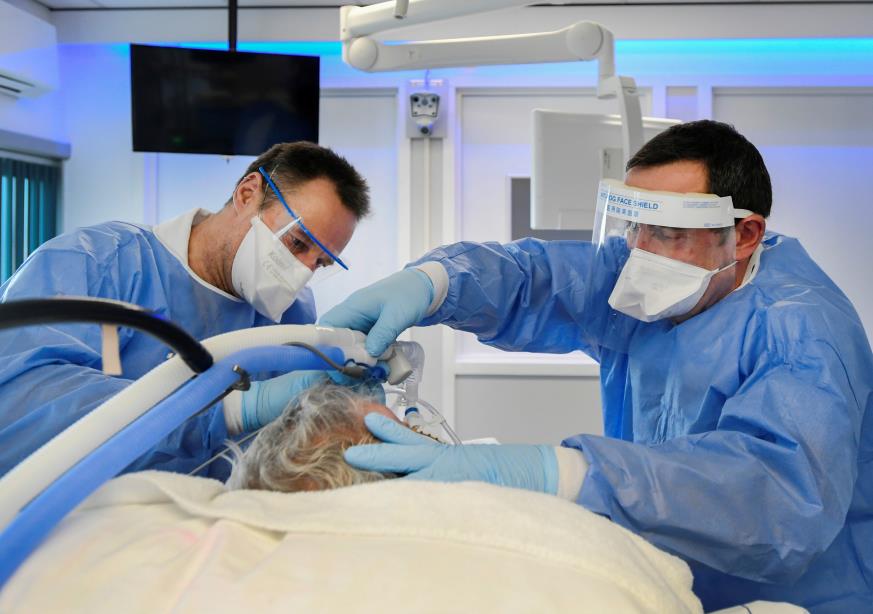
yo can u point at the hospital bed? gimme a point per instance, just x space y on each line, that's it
160 542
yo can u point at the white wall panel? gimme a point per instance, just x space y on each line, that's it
681 103
185 181
526 409
103 179
818 146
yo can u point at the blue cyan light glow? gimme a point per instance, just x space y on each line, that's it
834 57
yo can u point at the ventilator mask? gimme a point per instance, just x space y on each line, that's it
665 238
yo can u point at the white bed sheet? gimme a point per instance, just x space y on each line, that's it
160 542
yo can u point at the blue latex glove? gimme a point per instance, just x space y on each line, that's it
404 451
264 401
384 309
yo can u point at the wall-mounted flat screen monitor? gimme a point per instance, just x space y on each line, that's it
221 102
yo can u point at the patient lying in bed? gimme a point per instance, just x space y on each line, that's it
303 448
163 542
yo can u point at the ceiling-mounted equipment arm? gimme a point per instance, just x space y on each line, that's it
400 8
585 40
625 89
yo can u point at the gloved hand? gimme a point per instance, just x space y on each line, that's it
384 309
264 401
520 466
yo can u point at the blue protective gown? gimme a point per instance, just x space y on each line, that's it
51 375
740 439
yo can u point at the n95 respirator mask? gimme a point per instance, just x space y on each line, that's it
266 274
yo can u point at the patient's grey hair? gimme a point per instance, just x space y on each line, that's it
303 448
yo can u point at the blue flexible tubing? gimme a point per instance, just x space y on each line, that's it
35 520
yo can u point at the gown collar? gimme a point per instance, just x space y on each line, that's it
754 265
174 235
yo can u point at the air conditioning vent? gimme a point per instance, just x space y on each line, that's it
13 84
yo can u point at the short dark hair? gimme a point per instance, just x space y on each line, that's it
734 166
293 164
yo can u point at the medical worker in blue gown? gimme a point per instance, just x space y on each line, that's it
736 377
247 265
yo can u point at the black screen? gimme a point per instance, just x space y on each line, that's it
221 102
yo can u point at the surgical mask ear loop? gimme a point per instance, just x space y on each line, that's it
724 268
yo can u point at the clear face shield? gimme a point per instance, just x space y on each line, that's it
290 230
673 251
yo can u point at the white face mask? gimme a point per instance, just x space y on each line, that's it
652 287
265 273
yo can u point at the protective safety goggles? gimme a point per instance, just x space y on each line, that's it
299 240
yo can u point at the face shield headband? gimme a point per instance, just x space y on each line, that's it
299 221
623 203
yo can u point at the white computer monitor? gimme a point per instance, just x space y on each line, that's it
572 152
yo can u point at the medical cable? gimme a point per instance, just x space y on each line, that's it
351 369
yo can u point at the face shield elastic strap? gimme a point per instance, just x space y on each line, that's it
303 227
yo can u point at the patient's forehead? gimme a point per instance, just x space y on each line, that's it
368 407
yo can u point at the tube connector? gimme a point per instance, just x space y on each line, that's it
245 380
